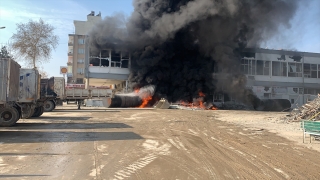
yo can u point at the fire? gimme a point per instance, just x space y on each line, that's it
213 108
198 103
145 101
136 91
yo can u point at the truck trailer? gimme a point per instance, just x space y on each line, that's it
55 92
10 110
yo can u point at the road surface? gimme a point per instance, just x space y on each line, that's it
148 144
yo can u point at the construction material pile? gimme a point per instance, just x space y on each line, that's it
309 111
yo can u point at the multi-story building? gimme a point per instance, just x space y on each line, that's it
281 74
76 48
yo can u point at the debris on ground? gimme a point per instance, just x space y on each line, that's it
308 111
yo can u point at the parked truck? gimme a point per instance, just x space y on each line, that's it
55 92
10 111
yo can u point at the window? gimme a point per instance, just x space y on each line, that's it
70 59
295 70
310 91
80 61
70 50
81 51
79 80
266 95
279 68
263 68
81 41
218 97
310 70
314 71
70 41
80 71
248 66
298 90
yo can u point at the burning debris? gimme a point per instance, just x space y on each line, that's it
177 45
139 98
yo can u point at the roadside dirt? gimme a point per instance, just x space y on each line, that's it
156 144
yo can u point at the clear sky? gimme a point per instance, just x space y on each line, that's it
304 34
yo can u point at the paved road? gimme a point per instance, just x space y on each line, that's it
148 144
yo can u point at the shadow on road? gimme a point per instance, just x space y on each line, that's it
61 118
58 136
82 110
20 175
24 125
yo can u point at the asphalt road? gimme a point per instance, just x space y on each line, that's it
148 144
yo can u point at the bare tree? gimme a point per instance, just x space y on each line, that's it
43 73
34 41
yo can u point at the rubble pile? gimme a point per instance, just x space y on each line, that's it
310 110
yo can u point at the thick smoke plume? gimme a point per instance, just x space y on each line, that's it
176 45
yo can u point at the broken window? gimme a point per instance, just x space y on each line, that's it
266 95
298 90
248 66
295 70
279 68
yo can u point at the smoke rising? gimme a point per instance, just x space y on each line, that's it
176 45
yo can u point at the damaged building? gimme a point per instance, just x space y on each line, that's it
279 74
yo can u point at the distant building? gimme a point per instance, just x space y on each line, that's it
280 74
76 48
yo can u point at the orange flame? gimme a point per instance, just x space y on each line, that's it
201 94
213 108
136 91
145 101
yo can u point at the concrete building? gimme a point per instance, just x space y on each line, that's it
280 74
76 48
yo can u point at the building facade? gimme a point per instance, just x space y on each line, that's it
280 74
77 49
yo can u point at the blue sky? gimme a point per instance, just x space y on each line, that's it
304 34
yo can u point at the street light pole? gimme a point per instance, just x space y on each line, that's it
2 27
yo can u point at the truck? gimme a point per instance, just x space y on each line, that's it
54 91
23 94
10 110
29 93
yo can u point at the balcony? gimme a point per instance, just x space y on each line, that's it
70 53
70 43
69 63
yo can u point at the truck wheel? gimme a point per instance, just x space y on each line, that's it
27 112
9 116
41 110
38 111
48 106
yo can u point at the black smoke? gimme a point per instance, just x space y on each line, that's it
176 45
